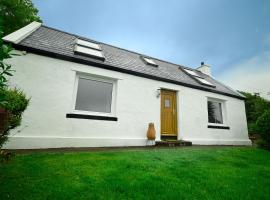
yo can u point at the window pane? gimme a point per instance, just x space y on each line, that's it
88 51
204 81
149 61
94 96
88 44
214 112
191 72
167 103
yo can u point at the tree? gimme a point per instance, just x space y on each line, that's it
5 53
5 69
263 127
255 107
16 14
13 102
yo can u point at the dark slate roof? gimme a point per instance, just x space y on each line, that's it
56 43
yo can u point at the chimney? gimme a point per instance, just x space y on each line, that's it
206 69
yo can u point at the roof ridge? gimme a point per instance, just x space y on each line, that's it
131 51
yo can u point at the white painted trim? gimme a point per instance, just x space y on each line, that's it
22 33
95 78
18 142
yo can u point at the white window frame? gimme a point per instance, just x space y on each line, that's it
100 79
223 111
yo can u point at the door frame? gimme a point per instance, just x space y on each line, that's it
163 90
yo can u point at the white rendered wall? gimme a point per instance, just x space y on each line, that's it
50 84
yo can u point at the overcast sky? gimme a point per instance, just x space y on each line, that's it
232 36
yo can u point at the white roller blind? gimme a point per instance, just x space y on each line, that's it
95 96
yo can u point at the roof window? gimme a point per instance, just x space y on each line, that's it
203 81
89 49
198 78
88 44
149 61
191 72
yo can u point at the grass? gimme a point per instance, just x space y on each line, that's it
182 173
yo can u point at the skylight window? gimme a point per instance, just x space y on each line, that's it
203 81
88 44
197 77
149 61
88 49
191 72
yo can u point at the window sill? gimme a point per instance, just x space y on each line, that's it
95 117
219 127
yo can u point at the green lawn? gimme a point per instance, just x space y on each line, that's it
182 173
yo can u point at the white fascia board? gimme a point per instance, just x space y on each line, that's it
22 33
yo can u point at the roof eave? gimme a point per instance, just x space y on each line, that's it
115 68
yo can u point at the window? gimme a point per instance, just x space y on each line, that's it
197 77
88 44
167 103
215 112
204 81
149 61
191 72
89 49
94 95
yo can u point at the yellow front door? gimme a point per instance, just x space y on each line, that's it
168 113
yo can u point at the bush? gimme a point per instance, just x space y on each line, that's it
263 128
15 102
255 107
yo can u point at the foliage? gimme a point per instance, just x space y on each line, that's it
16 14
16 100
179 173
5 69
263 127
15 103
255 107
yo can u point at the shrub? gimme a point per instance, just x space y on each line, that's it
255 107
263 128
15 102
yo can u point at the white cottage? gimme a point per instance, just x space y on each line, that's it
86 93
